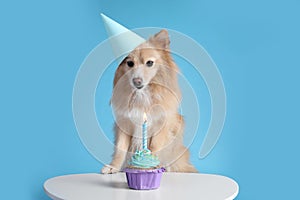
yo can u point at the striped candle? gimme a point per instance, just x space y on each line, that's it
145 136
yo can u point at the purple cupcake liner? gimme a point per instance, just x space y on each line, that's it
146 179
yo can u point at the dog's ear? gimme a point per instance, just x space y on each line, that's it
161 39
119 72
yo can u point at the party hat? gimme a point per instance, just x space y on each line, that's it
121 39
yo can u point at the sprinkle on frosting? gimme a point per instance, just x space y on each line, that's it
144 159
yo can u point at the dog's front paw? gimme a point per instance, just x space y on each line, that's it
108 169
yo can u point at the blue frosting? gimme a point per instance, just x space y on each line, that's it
144 159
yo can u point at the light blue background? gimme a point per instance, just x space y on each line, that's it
254 43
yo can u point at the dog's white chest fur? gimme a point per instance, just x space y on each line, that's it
139 103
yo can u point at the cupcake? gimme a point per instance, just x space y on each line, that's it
143 172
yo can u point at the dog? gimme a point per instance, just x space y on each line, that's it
146 82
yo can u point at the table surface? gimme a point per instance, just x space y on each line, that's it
173 186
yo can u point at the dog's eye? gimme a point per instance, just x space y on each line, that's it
130 63
149 63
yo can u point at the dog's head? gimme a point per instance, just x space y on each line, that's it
143 63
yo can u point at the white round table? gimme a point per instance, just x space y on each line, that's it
174 186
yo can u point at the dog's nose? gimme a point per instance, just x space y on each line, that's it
137 82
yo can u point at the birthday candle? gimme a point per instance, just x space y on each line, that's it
145 136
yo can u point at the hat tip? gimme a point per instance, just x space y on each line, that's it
103 16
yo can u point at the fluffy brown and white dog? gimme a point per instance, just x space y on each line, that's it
146 82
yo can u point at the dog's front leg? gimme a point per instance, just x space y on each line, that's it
159 141
121 147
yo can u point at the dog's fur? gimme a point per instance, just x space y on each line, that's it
159 98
